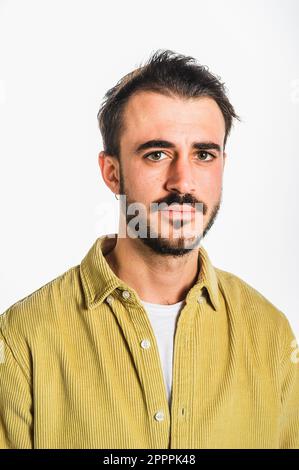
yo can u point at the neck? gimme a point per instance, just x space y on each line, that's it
156 278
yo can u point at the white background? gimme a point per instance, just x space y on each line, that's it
58 58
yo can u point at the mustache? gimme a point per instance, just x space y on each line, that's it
175 198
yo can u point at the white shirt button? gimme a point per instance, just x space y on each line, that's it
145 344
200 299
125 294
159 416
109 299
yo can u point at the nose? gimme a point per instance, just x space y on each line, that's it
180 177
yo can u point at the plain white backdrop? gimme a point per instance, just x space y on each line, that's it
57 60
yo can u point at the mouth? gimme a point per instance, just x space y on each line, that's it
179 212
185 208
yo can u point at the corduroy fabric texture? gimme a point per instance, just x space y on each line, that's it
74 373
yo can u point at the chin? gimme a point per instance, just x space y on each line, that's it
173 247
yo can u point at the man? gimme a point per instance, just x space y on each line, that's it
145 344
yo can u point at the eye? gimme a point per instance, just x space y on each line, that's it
204 153
152 154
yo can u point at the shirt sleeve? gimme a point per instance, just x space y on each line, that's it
15 402
289 419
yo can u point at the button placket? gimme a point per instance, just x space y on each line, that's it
201 298
109 299
159 416
152 368
145 343
125 294
184 367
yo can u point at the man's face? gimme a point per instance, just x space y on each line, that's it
180 174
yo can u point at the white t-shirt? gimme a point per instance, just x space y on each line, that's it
163 320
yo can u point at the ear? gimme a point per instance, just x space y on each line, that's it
109 166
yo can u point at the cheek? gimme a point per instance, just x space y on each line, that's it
142 186
209 185
148 184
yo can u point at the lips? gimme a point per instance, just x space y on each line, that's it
179 208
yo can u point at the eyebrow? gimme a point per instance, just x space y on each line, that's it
170 145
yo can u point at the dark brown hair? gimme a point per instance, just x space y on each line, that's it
168 73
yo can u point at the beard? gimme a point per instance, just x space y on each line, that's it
178 246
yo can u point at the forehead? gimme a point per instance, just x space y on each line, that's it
151 115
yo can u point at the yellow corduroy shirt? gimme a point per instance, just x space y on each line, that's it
74 373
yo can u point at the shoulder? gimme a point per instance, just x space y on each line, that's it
261 324
32 323
248 301
42 305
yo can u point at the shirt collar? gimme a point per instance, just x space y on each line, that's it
99 280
